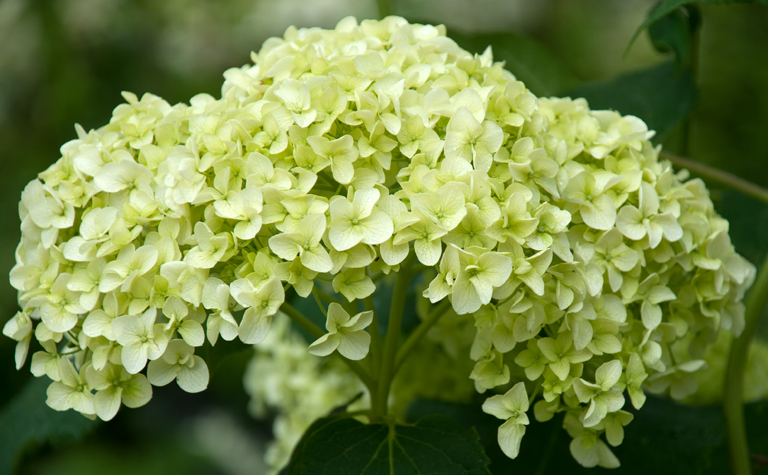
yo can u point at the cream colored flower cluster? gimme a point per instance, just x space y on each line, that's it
345 154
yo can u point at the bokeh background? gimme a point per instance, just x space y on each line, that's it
65 61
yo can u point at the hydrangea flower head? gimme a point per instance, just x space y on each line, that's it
341 155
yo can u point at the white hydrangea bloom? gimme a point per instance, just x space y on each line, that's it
342 155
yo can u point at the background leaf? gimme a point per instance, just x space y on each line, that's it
668 6
435 445
27 421
541 70
663 95
665 437
748 224
674 33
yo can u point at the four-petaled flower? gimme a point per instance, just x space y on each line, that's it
345 334
512 406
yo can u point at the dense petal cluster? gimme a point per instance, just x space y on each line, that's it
344 154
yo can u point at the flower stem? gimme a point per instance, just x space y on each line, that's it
301 320
325 296
719 176
384 10
316 332
325 176
693 65
733 395
402 280
420 331
319 303
375 338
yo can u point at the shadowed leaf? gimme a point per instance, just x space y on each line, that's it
663 95
435 445
27 421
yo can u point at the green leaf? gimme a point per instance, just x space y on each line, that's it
435 445
665 437
674 33
27 421
748 224
666 7
544 449
663 95
542 72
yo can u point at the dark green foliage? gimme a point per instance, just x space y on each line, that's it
666 7
748 219
663 95
674 33
541 71
26 421
435 445
665 438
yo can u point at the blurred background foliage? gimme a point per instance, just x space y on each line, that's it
66 61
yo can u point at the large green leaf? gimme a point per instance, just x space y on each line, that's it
27 421
544 449
663 95
435 445
542 72
665 437
748 219
668 6
675 33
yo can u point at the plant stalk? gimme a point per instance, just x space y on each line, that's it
402 280
719 176
420 331
693 64
384 10
733 393
375 338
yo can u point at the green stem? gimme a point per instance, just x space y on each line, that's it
534 394
719 176
693 64
384 10
301 320
316 332
420 331
325 176
733 397
325 296
403 278
375 338
319 303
